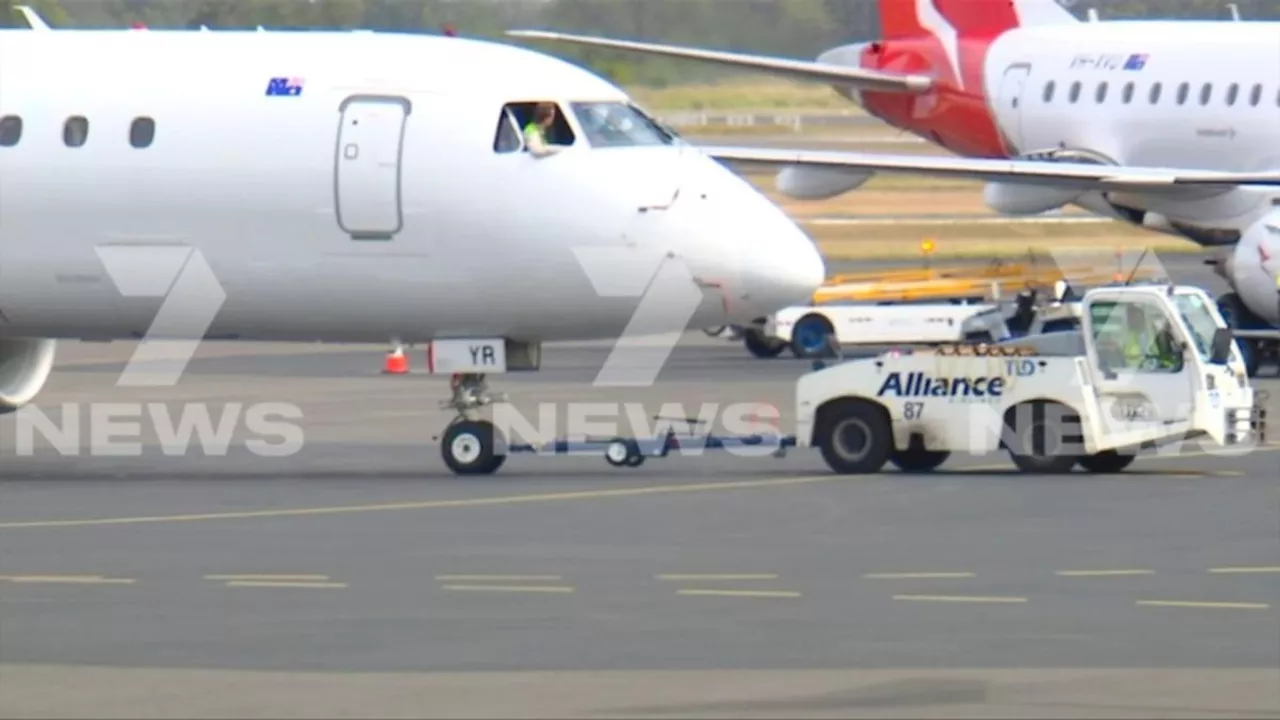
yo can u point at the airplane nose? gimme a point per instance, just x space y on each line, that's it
784 270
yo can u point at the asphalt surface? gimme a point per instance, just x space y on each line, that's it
358 576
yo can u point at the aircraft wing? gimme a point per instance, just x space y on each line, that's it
1027 172
874 80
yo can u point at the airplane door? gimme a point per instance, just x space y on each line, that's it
368 168
1009 111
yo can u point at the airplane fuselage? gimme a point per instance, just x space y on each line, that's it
1125 93
364 198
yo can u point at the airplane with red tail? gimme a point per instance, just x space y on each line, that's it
1169 125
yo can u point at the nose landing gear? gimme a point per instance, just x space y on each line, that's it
472 445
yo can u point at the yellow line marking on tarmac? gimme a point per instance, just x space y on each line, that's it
959 598
68 579
283 584
509 578
1216 605
717 577
1244 570
510 588
482 502
1102 573
440 504
918 576
741 593
282 578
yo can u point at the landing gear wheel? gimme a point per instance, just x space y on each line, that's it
855 438
1106 462
914 461
623 453
760 346
1039 436
473 447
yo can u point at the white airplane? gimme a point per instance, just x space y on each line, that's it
351 187
1168 125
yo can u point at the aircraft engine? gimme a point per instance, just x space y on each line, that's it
806 183
1252 269
1018 199
25 364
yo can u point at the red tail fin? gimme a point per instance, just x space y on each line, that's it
913 18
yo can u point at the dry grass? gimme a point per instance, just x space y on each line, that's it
744 95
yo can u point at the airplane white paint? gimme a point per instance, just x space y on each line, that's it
1168 125
380 194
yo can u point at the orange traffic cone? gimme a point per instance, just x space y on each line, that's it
397 363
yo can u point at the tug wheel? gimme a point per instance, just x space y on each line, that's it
1043 437
1106 462
855 437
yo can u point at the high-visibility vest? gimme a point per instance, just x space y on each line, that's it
533 129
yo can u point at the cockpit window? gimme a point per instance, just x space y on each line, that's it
507 139
521 114
616 124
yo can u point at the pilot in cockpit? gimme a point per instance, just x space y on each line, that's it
537 130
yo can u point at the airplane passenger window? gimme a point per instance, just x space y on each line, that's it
1075 91
1232 92
1255 97
616 124
1128 93
141 132
1154 97
508 138
1183 90
1101 94
559 134
1206 93
1048 91
75 131
10 130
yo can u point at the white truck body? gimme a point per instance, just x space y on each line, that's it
944 401
868 324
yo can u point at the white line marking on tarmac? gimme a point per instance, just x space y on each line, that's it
283 584
1102 573
68 579
918 576
510 588
508 578
717 577
740 593
959 599
282 578
1211 605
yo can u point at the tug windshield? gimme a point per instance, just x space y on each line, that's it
616 124
1199 320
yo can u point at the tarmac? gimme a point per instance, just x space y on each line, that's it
357 576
